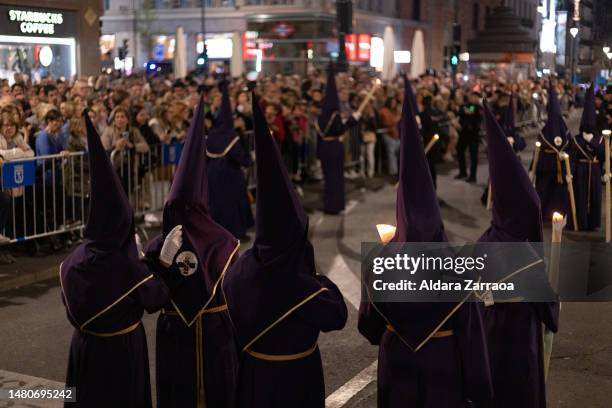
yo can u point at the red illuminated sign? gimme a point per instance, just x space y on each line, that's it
358 47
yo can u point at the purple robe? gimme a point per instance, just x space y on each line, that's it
119 363
417 364
514 330
177 348
587 171
196 358
551 185
277 303
228 200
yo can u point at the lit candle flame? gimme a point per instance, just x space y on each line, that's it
557 217
386 232
436 136
607 132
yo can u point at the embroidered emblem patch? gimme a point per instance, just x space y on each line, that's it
558 141
187 263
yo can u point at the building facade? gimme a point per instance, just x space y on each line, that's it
54 37
289 34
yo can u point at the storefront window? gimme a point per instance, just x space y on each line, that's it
37 57
37 42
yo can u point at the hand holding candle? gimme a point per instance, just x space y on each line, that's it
432 142
369 96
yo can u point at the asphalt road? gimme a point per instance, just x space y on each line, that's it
35 334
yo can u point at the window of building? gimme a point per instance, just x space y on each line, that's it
476 16
416 9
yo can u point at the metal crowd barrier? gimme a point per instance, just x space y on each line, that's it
46 195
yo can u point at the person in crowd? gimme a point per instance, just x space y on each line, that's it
276 300
197 364
470 119
389 118
229 203
53 139
106 289
514 329
120 135
369 126
12 147
587 152
424 348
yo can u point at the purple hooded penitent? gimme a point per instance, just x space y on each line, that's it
551 184
406 331
514 330
331 128
106 289
105 266
186 355
228 200
276 301
516 206
587 157
207 247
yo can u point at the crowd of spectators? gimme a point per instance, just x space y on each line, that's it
137 114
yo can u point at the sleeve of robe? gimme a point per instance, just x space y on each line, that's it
548 313
371 325
519 143
326 311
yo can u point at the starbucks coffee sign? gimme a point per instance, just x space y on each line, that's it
36 22
26 21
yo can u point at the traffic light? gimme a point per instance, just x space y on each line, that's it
202 60
454 56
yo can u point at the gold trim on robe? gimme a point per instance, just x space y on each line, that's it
113 334
106 309
283 357
224 152
214 291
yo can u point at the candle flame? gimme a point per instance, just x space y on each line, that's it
436 136
386 232
557 217
607 132
538 144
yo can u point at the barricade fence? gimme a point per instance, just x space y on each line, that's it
49 195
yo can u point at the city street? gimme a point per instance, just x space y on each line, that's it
36 334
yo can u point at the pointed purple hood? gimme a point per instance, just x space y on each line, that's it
266 283
555 124
105 267
222 134
280 218
588 122
208 246
517 215
417 209
189 187
110 222
331 105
